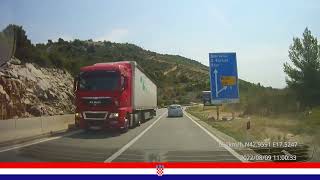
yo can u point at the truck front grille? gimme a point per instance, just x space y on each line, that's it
95 115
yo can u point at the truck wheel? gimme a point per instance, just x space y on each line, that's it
143 117
87 129
126 126
152 114
137 119
131 121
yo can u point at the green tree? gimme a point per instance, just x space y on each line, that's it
91 49
304 73
56 59
60 41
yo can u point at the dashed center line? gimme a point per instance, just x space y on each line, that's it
125 147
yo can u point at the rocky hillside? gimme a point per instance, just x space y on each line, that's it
27 90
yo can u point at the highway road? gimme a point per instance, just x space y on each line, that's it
160 139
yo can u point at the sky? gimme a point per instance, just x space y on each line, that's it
260 32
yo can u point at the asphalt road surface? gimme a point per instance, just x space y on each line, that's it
160 139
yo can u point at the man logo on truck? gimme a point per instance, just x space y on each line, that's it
95 103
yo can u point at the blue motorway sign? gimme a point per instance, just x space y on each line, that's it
223 78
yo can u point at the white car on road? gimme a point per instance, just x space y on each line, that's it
175 110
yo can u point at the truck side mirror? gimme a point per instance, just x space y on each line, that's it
75 83
123 83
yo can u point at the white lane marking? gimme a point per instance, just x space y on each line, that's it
125 147
39 141
228 148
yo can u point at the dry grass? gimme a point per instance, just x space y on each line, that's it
288 127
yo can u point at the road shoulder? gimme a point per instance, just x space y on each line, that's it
226 139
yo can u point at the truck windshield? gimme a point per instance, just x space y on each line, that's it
99 80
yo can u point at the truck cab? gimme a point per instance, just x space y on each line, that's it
103 96
116 95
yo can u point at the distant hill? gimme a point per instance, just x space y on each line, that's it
179 79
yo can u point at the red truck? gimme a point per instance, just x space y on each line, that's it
116 95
